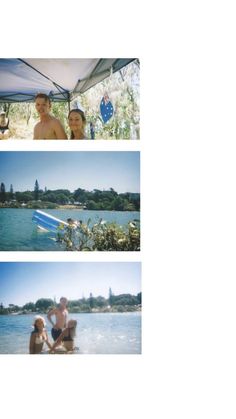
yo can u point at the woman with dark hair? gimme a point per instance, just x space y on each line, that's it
77 123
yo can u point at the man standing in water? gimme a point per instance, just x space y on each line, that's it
49 127
61 314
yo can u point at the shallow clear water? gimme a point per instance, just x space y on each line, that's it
18 232
100 333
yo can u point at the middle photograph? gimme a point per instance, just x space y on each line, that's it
70 201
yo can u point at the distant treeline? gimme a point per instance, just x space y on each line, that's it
114 303
91 200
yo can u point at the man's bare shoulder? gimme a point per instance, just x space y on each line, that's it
37 131
58 128
37 126
55 121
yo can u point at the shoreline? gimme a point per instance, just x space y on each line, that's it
35 313
66 207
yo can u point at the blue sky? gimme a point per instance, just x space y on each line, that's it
22 282
71 170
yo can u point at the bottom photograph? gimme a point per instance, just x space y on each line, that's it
70 308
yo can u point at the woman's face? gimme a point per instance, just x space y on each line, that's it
71 323
39 324
76 122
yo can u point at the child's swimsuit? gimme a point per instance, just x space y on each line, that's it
67 338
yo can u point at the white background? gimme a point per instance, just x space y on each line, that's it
188 73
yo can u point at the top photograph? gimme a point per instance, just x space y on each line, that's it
69 99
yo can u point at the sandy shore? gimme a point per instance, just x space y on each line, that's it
69 207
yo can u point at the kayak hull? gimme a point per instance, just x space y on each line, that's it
48 222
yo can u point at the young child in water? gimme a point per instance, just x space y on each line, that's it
66 338
39 336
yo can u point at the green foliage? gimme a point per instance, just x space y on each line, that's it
110 298
102 237
2 193
11 193
36 190
125 299
120 309
91 300
21 111
12 308
11 204
100 302
41 205
24 197
85 308
22 118
110 237
29 306
139 297
44 304
92 200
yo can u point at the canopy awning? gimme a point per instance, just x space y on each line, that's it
61 79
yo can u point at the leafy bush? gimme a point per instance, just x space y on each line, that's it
41 205
102 237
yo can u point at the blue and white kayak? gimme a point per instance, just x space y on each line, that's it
48 222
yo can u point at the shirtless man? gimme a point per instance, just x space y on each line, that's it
61 314
49 127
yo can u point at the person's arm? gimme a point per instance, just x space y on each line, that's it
59 131
47 341
66 317
35 133
50 314
32 342
59 340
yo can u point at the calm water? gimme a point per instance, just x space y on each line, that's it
18 232
102 333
